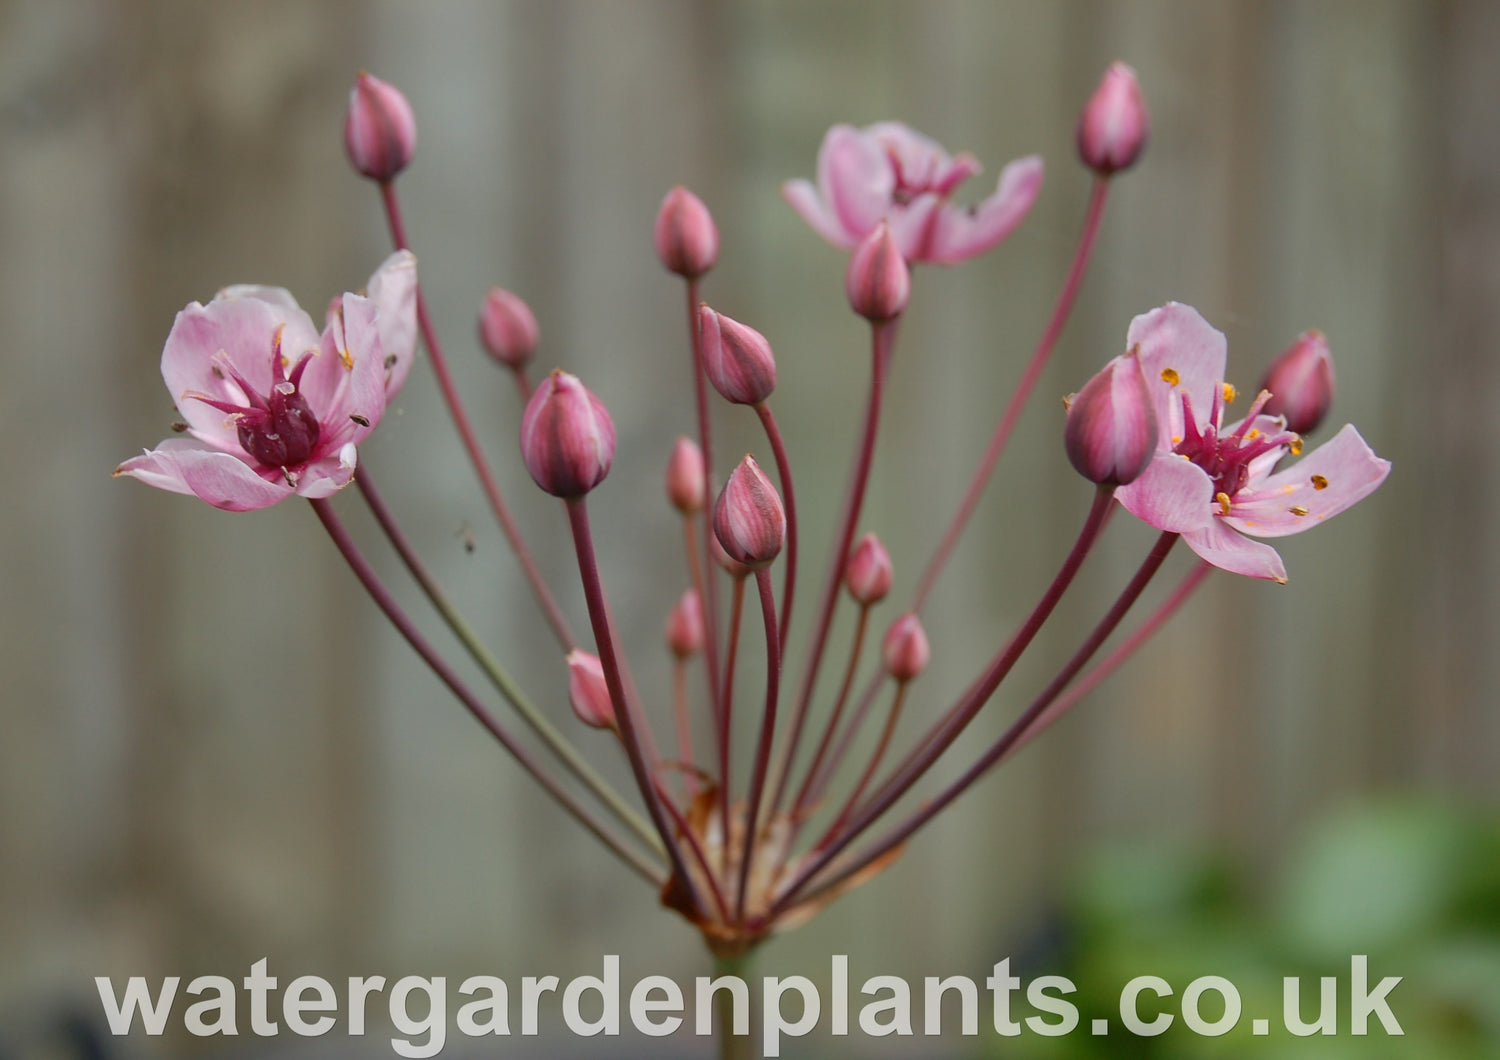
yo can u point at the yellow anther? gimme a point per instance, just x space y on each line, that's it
1176 439
1254 434
1223 499
1297 510
1170 376
347 358
1295 445
1319 482
1230 393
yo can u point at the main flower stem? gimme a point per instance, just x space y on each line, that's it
1018 398
559 744
882 340
544 598
1112 662
604 641
404 625
1007 742
967 707
733 1046
767 733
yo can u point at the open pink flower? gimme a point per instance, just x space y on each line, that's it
270 407
888 172
1214 484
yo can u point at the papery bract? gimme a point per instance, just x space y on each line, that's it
888 172
1215 484
273 409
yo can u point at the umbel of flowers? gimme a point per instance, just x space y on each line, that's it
746 817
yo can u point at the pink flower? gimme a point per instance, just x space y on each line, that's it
1214 484
271 409
888 172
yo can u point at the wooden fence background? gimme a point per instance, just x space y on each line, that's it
211 748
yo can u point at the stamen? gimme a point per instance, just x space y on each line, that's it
1230 393
1223 499
347 358
1319 482
1254 434
1295 446
1297 510
1170 376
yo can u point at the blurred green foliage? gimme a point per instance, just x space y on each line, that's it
1415 886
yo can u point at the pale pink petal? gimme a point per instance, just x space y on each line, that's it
1177 343
393 289
225 481
277 296
325 477
1235 553
803 198
913 226
1173 493
856 179
348 381
963 232
919 160
243 329
1335 476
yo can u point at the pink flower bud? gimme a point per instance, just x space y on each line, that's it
878 281
685 486
868 573
737 359
507 328
1114 127
686 240
905 651
685 625
749 520
588 692
1301 383
567 437
733 567
380 131
1111 429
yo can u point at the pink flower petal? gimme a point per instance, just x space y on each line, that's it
1227 550
186 466
914 226
1173 493
856 179
342 383
1177 343
963 233
802 197
393 289
1338 474
243 329
325 477
276 296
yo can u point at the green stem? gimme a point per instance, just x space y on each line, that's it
734 1046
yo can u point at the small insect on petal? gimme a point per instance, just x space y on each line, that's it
363 421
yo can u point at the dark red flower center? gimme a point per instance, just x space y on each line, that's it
278 429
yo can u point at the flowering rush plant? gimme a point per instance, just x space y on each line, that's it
746 818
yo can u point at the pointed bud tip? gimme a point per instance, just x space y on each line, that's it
567 437
878 282
380 130
736 358
1114 126
1111 430
1301 383
507 328
687 241
749 519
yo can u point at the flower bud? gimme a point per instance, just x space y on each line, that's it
905 651
507 328
868 573
380 131
686 240
749 520
588 692
567 437
1301 383
878 281
1114 127
1111 429
685 625
737 359
685 485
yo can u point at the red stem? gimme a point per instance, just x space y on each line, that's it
544 597
710 588
838 710
767 732
784 473
420 644
726 700
684 728
864 780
